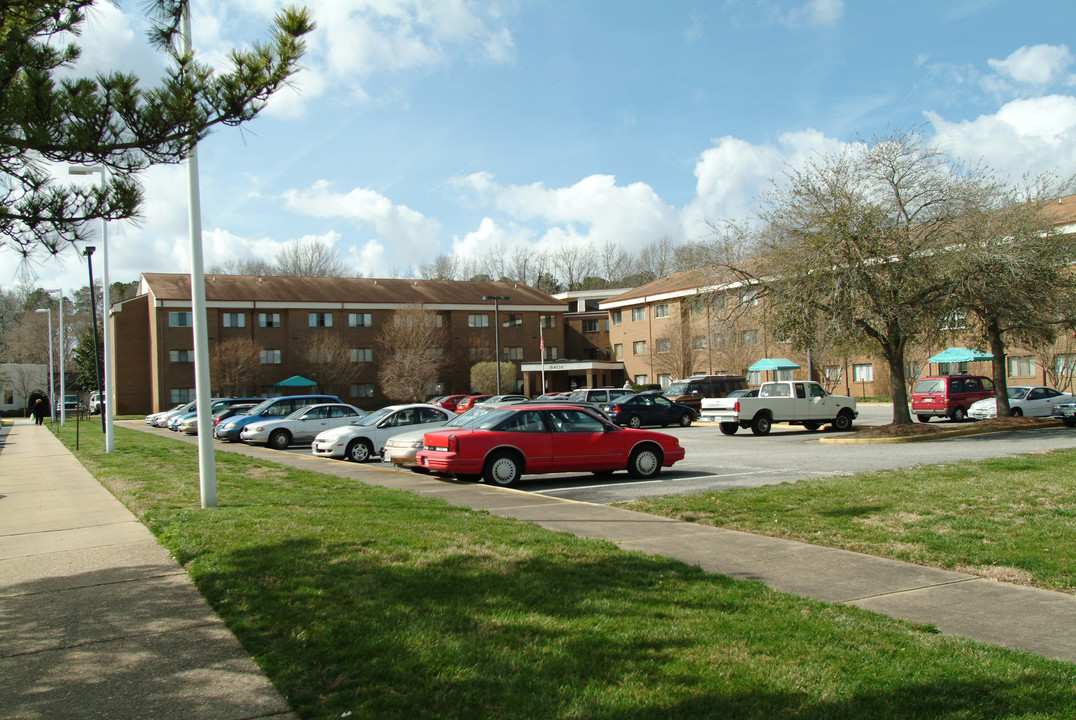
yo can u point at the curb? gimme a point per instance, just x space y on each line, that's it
939 435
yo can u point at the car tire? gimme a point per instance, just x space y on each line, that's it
729 428
686 420
279 440
645 462
843 422
1016 412
958 414
923 418
811 426
1069 422
635 422
359 450
502 469
761 424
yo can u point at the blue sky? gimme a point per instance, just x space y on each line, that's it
419 128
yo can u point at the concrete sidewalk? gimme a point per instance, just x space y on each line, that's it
96 619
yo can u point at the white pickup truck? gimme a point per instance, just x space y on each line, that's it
796 402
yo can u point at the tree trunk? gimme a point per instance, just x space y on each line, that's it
1001 384
893 347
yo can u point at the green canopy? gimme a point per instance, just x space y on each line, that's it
773 364
960 355
296 381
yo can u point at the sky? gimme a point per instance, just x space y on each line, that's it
419 128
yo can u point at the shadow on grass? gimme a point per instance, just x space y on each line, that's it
853 511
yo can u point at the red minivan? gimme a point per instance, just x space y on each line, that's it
949 395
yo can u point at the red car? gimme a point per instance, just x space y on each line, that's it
449 402
469 401
528 439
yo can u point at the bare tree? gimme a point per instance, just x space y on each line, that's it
674 350
412 347
573 262
442 267
328 361
234 366
243 266
310 258
522 265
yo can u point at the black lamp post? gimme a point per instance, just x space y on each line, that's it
88 252
497 332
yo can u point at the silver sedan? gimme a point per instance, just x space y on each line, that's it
302 426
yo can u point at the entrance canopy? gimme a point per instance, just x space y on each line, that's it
773 364
960 355
296 381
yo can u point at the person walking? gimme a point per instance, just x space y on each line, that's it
40 411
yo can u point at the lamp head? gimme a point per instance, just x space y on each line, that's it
88 250
44 310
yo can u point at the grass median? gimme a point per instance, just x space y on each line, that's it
360 601
1011 519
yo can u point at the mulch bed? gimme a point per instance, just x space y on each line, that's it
917 428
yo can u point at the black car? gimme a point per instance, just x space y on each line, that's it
648 408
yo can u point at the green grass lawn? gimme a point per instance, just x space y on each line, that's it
1012 519
364 602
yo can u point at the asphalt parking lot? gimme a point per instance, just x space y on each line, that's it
788 454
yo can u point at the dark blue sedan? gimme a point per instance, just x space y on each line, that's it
649 408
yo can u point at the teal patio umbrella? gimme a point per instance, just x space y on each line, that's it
773 365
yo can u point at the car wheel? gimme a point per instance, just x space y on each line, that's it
1069 422
843 422
359 450
635 421
279 439
503 470
1016 412
811 426
685 420
761 425
645 462
923 418
729 428
958 414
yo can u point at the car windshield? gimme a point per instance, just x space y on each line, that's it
375 417
470 416
930 385
1017 393
675 389
491 419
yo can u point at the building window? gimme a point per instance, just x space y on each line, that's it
512 321
270 357
315 319
478 320
911 371
268 319
1022 366
362 390
953 368
663 345
362 355
480 353
749 337
618 350
664 380
618 317
181 395
638 314
549 321
436 352
360 319
699 342
832 373
234 320
435 320
749 297
661 311
590 326
181 356
551 353
784 374
638 347
512 353
9 397
719 340
642 379
754 377
180 319
863 373
1065 365
956 320
321 355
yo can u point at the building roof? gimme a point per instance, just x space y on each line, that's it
383 292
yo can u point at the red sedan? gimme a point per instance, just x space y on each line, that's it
449 402
530 439
469 402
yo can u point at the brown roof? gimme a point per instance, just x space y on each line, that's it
239 288
1063 211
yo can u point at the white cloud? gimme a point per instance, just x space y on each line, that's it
814 13
1039 65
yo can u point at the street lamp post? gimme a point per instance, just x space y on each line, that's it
52 382
60 347
497 332
106 332
88 252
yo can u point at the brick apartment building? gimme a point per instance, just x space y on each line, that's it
153 339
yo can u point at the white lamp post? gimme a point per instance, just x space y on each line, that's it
108 403
52 385
60 344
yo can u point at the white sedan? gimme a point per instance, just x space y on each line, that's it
1029 400
302 426
362 440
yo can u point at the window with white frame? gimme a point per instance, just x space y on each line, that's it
642 379
785 374
664 380
638 314
362 355
956 320
1022 366
478 320
662 310
181 356
270 357
754 377
357 319
638 347
234 320
480 353
435 320
699 342
911 370
548 321
663 345
832 373
435 352
181 395
960 368
1065 365
362 390
591 326
551 352
749 297
749 337
320 319
618 350
320 355
618 317
512 320
180 319
268 320
863 372
719 340
512 353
